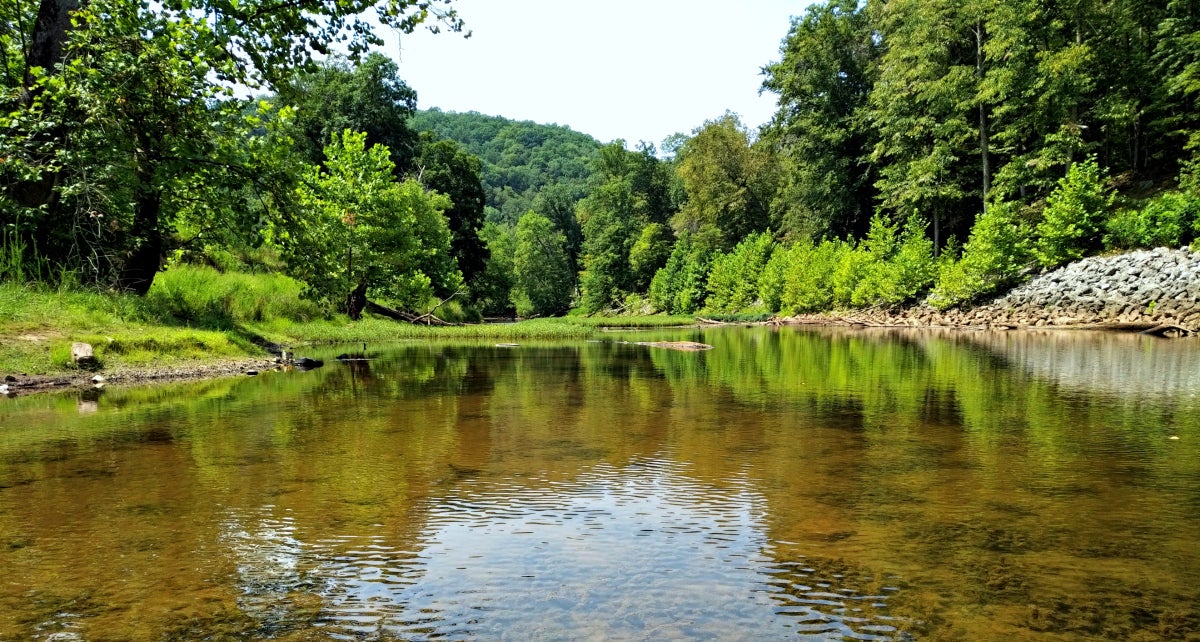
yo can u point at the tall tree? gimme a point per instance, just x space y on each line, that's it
921 106
728 182
367 97
821 137
542 279
444 166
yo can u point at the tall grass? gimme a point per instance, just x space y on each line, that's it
200 295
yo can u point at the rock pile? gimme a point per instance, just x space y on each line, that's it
1148 288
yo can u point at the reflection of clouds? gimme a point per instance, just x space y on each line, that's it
1101 362
640 552
268 559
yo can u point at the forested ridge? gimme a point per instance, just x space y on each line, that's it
921 150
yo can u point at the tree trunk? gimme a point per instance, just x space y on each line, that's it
46 50
49 39
983 119
142 263
356 301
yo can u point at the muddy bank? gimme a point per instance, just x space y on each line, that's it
20 383
1155 291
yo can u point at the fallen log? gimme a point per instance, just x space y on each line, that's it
401 315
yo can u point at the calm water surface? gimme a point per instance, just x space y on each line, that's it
790 484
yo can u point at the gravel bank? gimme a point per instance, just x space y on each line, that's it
1147 290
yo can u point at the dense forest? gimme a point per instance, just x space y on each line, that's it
520 159
921 150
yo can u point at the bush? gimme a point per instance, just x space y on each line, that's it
770 281
996 252
1168 220
897 270
853 264
679 287
733 281
1075 212
808 275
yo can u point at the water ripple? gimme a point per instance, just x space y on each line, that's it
635 552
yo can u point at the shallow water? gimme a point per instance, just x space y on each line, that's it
788 484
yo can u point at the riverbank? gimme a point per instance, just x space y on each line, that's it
1155 291
36 340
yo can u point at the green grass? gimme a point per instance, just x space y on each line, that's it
39 325
201 295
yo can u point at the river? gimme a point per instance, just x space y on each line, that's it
802 484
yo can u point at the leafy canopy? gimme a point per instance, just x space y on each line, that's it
363 230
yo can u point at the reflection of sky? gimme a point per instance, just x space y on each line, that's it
640 552
1106 363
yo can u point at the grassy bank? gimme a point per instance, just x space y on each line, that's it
196 314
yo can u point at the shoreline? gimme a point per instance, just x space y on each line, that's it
1154 292
85 379
908 319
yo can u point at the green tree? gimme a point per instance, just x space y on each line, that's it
649 253
367 96
364 235
920 106
543 282
492 290
820 134
629 190
102 148
445 167
728 182
557 202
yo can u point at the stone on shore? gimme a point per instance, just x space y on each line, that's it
83 355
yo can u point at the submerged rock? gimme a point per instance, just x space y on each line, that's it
682 346
305 363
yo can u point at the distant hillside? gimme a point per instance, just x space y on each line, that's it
519 157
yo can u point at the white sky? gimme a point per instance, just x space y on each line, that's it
631 69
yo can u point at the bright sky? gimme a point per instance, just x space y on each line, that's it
631 69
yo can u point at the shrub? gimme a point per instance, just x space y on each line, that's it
996 252
733 281
679 287
897 270
771 280
1167 220
853 264
1074 214
809 274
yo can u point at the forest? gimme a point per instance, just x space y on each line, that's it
921 151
